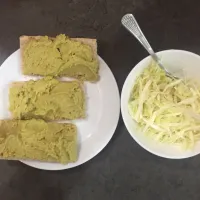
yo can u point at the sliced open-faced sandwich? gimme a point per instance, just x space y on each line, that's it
38 140
60 56
48 99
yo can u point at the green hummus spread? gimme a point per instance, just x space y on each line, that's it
38 140
48 99
61 56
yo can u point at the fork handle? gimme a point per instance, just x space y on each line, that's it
130 23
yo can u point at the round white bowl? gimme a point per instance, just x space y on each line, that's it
179 62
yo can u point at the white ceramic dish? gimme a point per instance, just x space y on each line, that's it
179 62
94 132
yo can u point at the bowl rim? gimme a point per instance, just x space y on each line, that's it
123 101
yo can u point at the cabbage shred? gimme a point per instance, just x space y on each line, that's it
165 109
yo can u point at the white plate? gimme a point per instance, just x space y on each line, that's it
180 62
94 132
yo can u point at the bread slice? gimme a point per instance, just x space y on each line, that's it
38 140
48 99
24 40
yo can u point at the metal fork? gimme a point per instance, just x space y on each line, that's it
130 23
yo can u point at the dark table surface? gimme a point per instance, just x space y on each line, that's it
123 170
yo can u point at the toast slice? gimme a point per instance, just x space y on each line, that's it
38 140
48 99
71 62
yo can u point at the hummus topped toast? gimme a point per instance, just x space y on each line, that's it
48 99
38 140
60 56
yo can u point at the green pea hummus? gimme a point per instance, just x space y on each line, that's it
38 140
47 99
60 56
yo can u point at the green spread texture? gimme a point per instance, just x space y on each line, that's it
38 140
60 56
48 99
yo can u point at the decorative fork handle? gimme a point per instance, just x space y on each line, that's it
130 23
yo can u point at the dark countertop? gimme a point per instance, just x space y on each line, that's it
123 170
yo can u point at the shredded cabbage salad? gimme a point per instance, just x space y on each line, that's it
165 109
